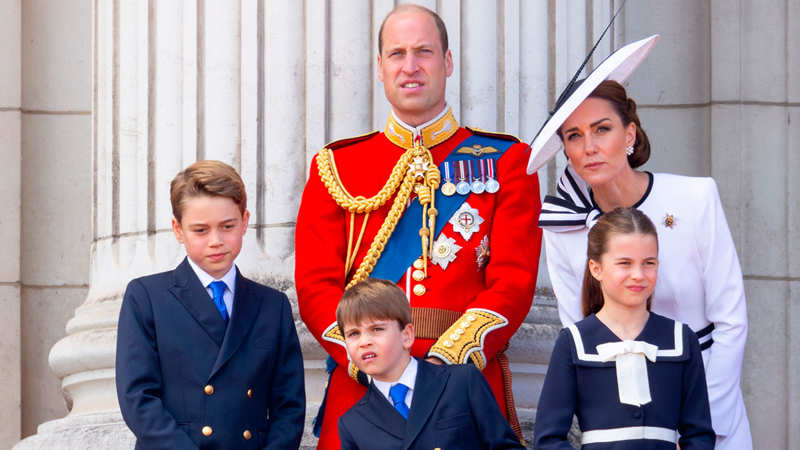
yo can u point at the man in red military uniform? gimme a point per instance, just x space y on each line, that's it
446 212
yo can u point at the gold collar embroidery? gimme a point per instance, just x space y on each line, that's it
434 132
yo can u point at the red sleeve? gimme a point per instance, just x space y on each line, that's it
320 247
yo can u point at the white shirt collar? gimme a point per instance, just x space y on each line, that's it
409 378
229 278
416 131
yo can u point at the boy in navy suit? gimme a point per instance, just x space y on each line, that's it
205 357
410 403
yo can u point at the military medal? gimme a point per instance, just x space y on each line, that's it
466 220
482 253
448 188
476 185
444 251
492 185
462 187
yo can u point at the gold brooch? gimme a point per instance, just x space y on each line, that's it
669 221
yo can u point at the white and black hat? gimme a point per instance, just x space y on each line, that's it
618 67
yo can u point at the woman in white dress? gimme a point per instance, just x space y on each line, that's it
700 280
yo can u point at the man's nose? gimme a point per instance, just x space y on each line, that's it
410 63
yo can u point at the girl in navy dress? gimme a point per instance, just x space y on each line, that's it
634 379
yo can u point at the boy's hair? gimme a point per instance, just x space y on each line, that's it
210 178
373 298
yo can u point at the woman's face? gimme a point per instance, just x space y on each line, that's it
595 141
628 270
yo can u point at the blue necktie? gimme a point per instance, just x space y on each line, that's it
218 288
398 393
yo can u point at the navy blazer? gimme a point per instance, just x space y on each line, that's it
452 407
186 381
578 382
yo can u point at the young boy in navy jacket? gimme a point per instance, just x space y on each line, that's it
410 403
205 357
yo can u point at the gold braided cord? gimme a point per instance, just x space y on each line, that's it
414 171
352 251
330 177
378 244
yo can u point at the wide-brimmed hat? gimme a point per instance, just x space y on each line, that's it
618 67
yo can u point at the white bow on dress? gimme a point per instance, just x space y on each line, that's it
629 356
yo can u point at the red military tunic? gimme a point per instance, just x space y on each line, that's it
468 310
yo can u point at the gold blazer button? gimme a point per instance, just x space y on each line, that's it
209 389
207 430
247 435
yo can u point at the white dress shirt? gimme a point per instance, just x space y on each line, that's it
229 279
409 377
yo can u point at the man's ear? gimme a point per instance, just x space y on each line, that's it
378 68
177 230
596 270
448 62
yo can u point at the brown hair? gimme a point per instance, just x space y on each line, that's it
618 221
210 178
373 298
438 20
625 107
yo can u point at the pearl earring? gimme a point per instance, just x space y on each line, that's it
629 150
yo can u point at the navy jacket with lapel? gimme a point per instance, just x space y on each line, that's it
179 368
452 407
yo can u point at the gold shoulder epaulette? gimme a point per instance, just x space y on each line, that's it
503 136
349 141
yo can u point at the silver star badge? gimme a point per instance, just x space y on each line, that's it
444 251
466 220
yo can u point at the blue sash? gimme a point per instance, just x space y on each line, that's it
403 246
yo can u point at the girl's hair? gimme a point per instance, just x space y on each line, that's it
618 221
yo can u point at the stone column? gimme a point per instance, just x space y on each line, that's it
10 223
55 189
754 140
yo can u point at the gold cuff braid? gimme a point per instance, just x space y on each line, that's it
333 334
463 341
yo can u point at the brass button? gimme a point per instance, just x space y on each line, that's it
207 431
249 393
418 275
209 389
447 344
419 289
247 435
419 264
